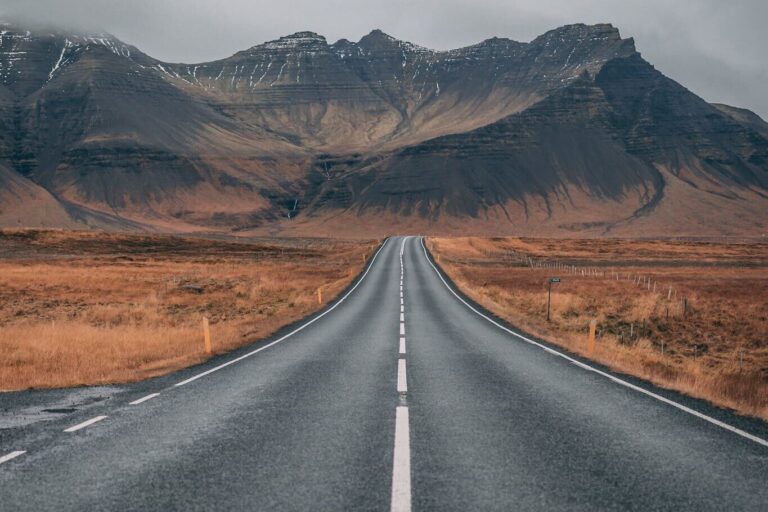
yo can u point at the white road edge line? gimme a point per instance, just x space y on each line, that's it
402 345
617 380
298 329
144 399
401 464
402 380
85 424
11 456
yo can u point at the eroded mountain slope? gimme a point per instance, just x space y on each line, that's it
571 133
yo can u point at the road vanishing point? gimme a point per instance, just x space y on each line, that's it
401 395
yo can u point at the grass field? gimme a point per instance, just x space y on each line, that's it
690 316
92 308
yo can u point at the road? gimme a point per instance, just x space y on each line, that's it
397 397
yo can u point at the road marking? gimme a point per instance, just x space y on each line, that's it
402 329
144 399
85 424
402 381
298 329
402 345
401 464
11 456
617 380
402 308
402 317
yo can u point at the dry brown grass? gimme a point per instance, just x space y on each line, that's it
714 348
94 308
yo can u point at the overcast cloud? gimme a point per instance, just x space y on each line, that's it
715 48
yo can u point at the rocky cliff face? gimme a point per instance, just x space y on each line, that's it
573 131
98 125
320 94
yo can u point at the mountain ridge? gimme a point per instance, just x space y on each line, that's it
290 134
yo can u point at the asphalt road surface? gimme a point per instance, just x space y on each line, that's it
400 396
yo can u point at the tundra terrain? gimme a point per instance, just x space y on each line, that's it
81 308
691 316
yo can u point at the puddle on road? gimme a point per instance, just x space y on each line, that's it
21 408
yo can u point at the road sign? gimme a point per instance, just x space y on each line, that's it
554 279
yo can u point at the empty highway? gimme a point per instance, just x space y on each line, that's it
401 395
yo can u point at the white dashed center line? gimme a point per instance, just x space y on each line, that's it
144 399
401 464
402 381
85 424
11 456
401 468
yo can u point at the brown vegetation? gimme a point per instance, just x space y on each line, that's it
92 308
690 316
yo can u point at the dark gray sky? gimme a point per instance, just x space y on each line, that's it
716 48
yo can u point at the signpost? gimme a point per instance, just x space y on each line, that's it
549 294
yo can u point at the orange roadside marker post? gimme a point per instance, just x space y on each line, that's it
207 335
592 329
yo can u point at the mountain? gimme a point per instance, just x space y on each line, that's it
745 117
573 133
